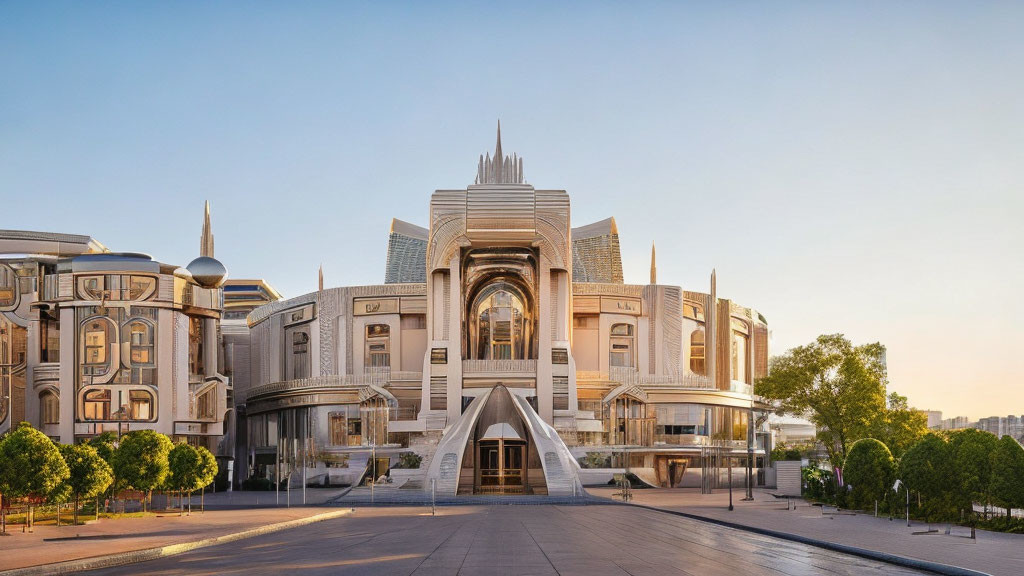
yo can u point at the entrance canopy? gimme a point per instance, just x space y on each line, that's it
501 431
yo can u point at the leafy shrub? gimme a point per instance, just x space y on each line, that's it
817 482
409 460
869 469
595 460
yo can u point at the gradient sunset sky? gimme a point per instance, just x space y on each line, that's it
852 168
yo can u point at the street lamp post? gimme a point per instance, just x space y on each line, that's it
729 464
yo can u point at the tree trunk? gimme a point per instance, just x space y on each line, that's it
189 502
58 514
75 516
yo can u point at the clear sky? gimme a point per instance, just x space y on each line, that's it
852 168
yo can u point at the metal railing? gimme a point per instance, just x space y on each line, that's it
501 366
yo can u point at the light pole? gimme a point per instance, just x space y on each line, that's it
896 488
729 464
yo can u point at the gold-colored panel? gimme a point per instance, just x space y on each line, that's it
630 306
413 305
369 306
586 305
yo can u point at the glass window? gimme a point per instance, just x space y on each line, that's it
378 346
8 287
500 324
97 337
97 405
697 364
141 405
91 288
196 332
49 340
140 339
622 345
739 356
141 287
300 355
49 408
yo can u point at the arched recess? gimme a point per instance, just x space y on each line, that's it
99 351
501 321
49 406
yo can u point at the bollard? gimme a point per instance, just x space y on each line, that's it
876 508
433 496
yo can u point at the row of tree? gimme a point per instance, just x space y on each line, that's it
32 467
949 472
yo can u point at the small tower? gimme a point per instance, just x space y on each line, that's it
320 283
654 267
206 270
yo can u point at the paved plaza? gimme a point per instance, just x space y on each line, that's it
537 540
992 552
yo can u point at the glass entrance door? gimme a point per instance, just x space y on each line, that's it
500 467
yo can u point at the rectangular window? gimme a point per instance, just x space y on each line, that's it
338 428
438 393
559 356
438 355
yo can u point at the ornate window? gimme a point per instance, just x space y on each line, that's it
49 339
9 294
378 346
300 355
196 333
49 408
141 405
740 338
693 311
97 405
697 352
501 324
139 335
98 334
116 287
622 345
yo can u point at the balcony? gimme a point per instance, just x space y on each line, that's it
622 375
499 368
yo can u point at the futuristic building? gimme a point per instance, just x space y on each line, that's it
506 353
93 340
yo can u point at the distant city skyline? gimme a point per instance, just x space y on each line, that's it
869 156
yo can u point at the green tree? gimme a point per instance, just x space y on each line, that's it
89 475
838 386
140 461
972 464
30 465
184 469
900 425
870 469
208 469
105 445
927 468
1007 483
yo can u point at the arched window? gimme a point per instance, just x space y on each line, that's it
740 336
98 334
501 324
9 293
141 405
97 405
697 365
378 346
139 335
622 344
49 408
300 355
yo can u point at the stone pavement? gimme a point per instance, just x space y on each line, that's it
389 495
993 552
49 544
511 540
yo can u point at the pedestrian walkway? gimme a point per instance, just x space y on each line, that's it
389 495
49 544
992 552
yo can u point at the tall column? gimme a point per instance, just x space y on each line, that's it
68 367
455 340
544 372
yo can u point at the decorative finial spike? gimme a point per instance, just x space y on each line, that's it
654 267
320 283
206 240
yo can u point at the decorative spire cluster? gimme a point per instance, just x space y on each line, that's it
206 240
500 169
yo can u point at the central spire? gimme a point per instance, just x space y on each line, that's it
500 169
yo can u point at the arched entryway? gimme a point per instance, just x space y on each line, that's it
500 457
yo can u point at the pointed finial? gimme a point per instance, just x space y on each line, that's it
206 240
320 283
654 267
497 147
